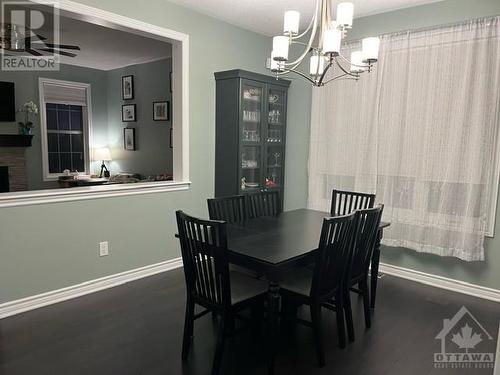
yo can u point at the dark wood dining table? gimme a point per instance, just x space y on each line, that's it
273 245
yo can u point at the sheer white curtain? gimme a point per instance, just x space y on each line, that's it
419 131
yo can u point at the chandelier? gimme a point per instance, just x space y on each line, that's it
328 35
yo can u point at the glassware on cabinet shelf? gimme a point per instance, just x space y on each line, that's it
252 94
274 98
276 157
249 164
251 116
251 135
274 136
274 116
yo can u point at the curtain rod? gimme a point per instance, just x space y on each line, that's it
434 27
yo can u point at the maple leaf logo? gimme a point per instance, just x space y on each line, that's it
466 339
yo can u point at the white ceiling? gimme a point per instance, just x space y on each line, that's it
266 16
104 48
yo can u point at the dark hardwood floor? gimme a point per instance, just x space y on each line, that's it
137 329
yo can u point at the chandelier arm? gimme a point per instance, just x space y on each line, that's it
340 77
310 23
322 77
345 70
309 44
305 44
349 61
300 74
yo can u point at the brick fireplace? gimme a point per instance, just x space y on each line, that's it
13 162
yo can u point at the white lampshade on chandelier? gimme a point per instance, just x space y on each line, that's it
328 35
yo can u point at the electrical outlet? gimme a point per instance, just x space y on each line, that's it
103 248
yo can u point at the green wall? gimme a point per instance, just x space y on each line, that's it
485 273
46 247
153 155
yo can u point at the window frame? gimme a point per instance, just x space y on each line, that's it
180 120
86 119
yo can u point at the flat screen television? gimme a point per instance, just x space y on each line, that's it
7 102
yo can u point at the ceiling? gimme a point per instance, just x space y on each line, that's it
266 16
104 48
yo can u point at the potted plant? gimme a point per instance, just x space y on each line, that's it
30 110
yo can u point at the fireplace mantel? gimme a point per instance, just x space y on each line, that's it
15 140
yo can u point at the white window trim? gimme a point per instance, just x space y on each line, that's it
180 84
87 123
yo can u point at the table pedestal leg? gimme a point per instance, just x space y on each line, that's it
374 268
272 321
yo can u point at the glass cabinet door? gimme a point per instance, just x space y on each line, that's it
275 133
250 169
276 116
252 106
274 167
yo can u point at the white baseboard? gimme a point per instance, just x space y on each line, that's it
441 282
55 296
34 302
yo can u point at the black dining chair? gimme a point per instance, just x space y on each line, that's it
324 287
264 203
345 202
231 209
210 283
365 235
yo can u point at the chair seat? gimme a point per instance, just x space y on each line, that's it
245 287
298 281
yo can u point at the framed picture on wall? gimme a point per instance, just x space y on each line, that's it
127 87
161 111
128 113
129 139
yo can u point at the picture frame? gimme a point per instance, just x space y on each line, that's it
128 87
161 111
129 113
129 139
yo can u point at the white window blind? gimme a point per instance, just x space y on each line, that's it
65 94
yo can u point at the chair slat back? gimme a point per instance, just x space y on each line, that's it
334 255
206 268
265 203
346 202
367 224
230 209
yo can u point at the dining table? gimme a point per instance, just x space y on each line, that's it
274 245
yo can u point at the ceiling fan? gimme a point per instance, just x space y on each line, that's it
14 39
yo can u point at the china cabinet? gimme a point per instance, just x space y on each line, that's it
250 132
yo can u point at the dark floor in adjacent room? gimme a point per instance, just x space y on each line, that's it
137 329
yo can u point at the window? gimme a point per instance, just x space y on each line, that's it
65 137
65 127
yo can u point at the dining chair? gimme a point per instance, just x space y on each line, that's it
264 203
231 209
324 287
209 282
345 202
365 235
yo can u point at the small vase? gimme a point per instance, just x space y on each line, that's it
25 131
